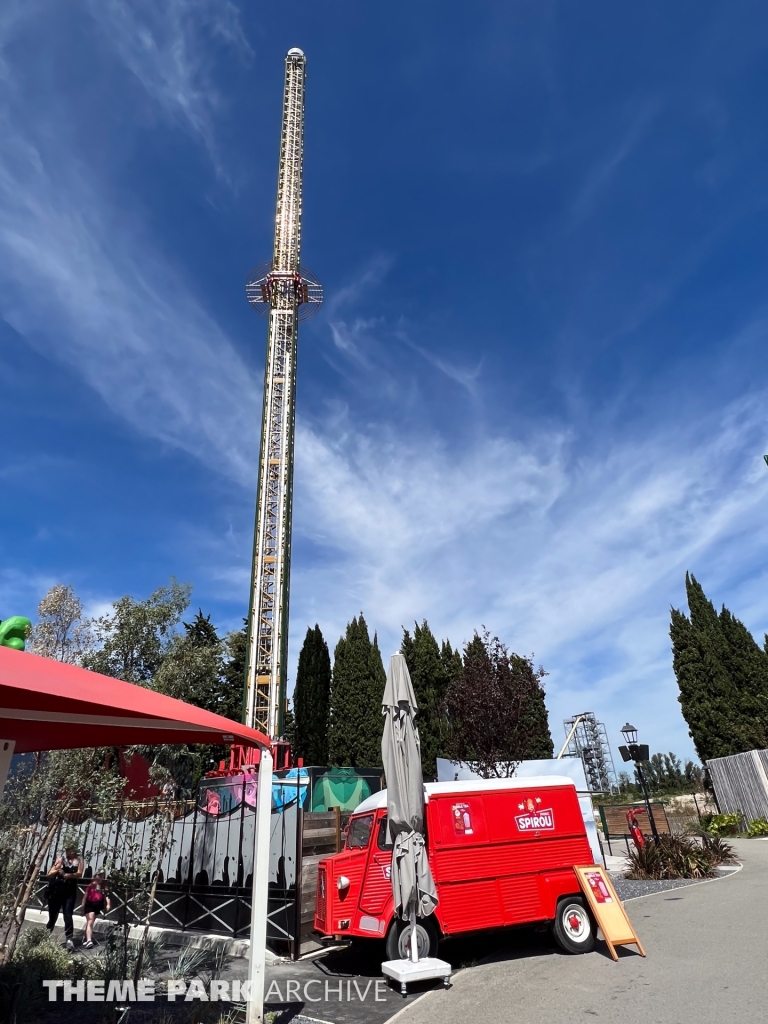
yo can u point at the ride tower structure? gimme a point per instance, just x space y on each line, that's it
285 293
587 738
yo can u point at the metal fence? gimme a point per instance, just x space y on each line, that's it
205 861
741 784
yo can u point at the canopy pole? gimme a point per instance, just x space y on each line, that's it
260 892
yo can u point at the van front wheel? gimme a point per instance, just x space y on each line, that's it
573 928
398 941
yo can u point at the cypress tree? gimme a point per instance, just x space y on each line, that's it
311 699
451 660
535 737
722 675
357 689
201 632
747 665
430 674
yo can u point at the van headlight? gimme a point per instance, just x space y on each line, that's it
342 883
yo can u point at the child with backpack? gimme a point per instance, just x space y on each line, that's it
95 900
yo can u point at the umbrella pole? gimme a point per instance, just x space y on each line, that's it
414 939
259 892
6 753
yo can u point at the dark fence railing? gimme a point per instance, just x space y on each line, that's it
205 861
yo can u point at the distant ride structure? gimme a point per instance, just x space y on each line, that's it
286 293
587 738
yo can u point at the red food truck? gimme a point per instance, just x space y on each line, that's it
502 853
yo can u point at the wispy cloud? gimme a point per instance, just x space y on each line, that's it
465 378
168 47
125 319
605 169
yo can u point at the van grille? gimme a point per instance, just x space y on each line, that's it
322 894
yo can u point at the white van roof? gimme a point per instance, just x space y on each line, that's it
379 800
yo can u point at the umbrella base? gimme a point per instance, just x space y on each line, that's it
406 971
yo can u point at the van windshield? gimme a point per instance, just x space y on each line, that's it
359 834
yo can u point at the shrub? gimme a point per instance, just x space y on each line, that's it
680 857
37 956
758 827
721 824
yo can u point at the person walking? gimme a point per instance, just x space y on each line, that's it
64 875
95 900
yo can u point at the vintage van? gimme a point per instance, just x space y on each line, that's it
502 853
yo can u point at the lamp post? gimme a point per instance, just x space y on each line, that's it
636 752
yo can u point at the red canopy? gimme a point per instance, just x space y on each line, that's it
45 705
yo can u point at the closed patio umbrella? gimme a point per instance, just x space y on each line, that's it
412 884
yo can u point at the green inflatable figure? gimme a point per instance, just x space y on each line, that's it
13 632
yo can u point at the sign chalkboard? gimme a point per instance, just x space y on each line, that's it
607 908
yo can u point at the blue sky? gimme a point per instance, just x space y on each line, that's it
535 395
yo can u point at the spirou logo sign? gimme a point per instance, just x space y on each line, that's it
535 819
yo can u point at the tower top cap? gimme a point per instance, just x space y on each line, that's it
295 52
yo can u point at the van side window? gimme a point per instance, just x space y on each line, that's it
383 840
359 834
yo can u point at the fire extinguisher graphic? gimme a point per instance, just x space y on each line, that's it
634 829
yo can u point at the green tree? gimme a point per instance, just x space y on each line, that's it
201 632
430 672
357 689
722 675
534 736
311 699
37 799
132 641
235 660
193 669
61 632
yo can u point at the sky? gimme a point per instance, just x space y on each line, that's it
535 395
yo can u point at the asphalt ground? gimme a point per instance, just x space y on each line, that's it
706 964
495 970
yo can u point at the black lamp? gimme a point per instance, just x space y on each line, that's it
629 732
635 751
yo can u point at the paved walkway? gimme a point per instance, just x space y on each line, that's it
707 963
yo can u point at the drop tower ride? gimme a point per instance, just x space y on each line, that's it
286 293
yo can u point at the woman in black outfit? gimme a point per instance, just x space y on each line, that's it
62 891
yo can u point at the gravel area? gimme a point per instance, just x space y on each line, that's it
631 888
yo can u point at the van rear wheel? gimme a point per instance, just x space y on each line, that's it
398 941
573 928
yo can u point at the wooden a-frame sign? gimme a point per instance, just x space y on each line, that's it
608 909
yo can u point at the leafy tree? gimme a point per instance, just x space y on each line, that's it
665 775
61 632
37 798
357 689
431 670
496 708
311 699
235 661
133 640
722 675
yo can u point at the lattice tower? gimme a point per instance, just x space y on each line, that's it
286 293
590 742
